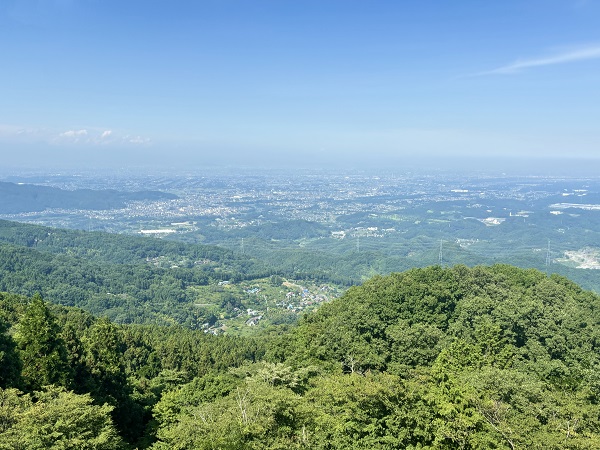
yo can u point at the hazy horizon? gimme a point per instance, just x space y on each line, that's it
486 166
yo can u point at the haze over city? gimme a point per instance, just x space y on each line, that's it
314 83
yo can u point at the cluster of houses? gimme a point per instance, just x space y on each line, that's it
296 301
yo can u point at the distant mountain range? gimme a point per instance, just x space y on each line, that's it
20 198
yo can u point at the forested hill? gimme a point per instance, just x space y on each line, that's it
489 357
126 278
19 198
102 247
440 358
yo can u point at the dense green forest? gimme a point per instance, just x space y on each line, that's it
441 358
126 278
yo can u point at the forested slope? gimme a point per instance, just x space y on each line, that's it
445 358
18 198
70 380
489 357
126 278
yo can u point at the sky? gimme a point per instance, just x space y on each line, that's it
176 83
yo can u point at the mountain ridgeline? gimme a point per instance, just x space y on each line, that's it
441 358
19 198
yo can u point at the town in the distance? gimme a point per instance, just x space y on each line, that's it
345 225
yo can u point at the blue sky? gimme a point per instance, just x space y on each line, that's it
197 82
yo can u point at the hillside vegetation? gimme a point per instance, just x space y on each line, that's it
445 358
18 198
129 279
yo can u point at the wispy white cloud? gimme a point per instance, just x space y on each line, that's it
88 136
581 54
72 137
74 133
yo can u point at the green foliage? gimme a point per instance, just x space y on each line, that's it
183 399
506 316
41 348
351 411
440 358
103 348
55 419
10 375
253 414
